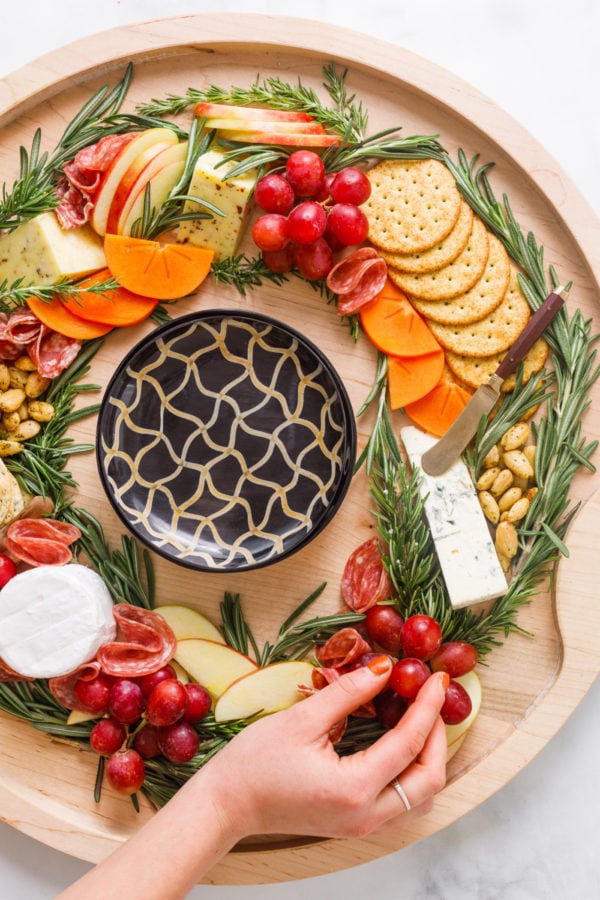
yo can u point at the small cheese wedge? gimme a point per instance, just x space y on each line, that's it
220 233
463 543
41 252
53 619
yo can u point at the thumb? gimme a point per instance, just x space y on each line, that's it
323 710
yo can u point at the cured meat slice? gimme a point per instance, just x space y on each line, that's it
365 581
52 352
41 542
145 643
63 686
343 648
9 675
22 326
357 279
345 275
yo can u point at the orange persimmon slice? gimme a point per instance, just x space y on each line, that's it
55 315
437 410
153 269
411 377
119 307
394 327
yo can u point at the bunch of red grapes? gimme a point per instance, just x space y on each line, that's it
308 215
417 645
142 718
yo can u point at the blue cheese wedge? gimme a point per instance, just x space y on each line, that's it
41 252
53 619
464 546
220 233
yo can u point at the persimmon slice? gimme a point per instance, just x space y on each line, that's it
119 307
437 410
55 315
394 327
154 269
411 377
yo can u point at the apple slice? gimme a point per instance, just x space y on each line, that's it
211 664
162 174
77 716
263 692
455 734
129 179
188 623
301 139
257 125
223 110
117 169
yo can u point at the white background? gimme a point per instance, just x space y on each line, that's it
539 60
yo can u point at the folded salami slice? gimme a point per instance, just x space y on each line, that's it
63 686
41 542
365 581
52 352
8 675
145 643
343 648
357 279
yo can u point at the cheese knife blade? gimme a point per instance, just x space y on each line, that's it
449 447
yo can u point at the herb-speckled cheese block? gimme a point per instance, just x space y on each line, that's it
220 233
462 540
41 252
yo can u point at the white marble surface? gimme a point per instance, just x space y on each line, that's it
538 838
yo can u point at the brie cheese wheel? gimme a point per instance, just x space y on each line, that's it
53 619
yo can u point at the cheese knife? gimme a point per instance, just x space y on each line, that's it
449 447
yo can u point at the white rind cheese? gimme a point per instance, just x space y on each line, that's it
41 252
220 233
462 540
53 619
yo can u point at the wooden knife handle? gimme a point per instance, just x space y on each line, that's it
532 331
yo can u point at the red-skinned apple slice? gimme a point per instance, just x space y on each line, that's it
455 734
264 692
186 622
115 172
301 139
131 176
256 125
223 111
211 664
162 174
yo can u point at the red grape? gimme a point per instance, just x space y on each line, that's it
126 701
457 704
408 676
348 224
454 657
306 223
269 232
274 194
280 260
198 704
305 172
146 742
421 637
390 707
8 569
325 193
350 185
166 704
149 682
107 736
93 693
125 771
314 261
384 625
178 742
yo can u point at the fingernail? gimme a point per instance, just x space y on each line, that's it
379 665
445 680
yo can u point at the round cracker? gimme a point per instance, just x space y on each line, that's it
413 205
480 300
492 334
475 371
441 254
454 279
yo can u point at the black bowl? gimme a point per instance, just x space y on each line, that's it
226 441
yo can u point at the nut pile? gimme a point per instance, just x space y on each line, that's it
507 486
21 409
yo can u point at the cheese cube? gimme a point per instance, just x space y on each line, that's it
41 252
461 537
221 233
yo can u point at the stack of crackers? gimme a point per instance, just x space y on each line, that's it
11 498
454 271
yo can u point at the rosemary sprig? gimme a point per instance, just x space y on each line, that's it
244 273
15 294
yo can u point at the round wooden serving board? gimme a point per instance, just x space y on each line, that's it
532 684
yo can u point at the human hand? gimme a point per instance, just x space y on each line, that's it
283 775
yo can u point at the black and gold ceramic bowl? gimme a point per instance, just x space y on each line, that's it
226 441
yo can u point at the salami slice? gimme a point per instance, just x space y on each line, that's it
52 352
373 275
145 643
365 581
41 542
62 687
343 648
345 275
22 326
9 675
